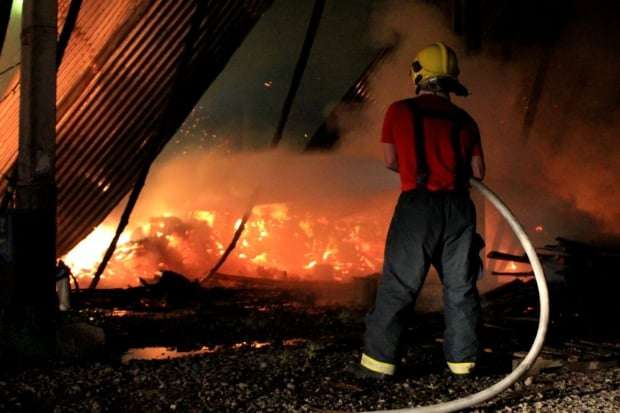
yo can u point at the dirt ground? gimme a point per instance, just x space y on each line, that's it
272 350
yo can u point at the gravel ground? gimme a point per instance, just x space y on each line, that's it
307 378
276 354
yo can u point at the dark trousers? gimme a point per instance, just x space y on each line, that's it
428 228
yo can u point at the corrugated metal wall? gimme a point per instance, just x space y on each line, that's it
131 73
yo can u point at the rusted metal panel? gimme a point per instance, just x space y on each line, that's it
122 95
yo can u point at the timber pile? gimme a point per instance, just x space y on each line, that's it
583 282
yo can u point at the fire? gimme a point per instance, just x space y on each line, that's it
279 241
206 216
260 226
172 240
88 254
306 227
328 253
260 258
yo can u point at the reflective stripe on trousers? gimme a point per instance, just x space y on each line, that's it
377 366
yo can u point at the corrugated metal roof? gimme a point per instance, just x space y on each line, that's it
326 137
123 91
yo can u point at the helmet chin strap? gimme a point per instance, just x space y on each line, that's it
442 94
442 86
432 86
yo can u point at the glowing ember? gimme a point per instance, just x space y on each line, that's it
172 240
539 228
328 253
260 258
206 216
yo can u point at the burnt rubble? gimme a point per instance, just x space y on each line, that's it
272 346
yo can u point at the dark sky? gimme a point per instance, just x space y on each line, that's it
10 51
242 111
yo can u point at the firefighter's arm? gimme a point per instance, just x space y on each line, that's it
477 157
477 167
389 156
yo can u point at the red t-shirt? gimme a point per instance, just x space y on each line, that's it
398 130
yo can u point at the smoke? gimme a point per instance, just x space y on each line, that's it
323 183
562 176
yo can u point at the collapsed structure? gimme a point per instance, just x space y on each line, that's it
130 75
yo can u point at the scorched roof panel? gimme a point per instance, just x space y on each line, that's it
132 72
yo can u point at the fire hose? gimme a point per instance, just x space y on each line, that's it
543 321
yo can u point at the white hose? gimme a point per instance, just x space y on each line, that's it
528 361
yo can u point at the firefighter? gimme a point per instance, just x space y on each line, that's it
435 147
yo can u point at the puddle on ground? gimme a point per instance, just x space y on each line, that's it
294 342
253 344
145 313
162 353
119 313
169 353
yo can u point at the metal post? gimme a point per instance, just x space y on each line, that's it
35 202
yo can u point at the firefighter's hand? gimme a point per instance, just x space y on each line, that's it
477 167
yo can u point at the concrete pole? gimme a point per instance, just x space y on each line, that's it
35 202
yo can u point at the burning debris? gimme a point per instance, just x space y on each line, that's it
279 242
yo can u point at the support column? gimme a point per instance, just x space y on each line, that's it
35 201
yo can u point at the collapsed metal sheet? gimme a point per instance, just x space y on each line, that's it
131 74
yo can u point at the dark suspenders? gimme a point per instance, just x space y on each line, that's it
461 170
420 147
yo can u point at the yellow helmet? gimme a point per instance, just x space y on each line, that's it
436 66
